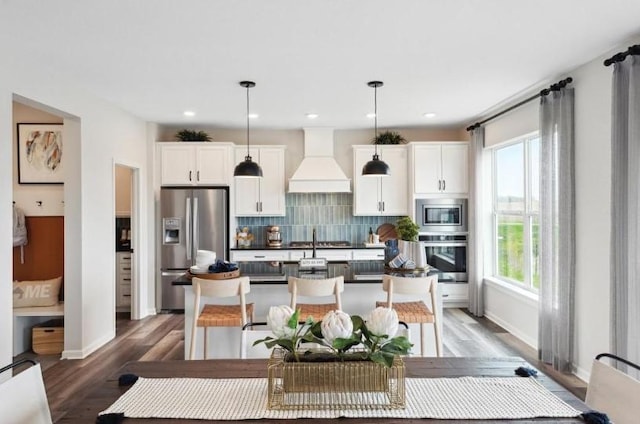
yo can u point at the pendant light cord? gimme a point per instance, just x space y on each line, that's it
375 117
248 120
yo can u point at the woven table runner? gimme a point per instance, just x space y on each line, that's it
240 399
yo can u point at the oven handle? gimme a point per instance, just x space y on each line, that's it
442 244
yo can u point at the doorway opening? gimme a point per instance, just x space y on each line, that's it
125 240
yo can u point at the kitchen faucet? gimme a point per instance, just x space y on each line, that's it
314 241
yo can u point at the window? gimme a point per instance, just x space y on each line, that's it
516 198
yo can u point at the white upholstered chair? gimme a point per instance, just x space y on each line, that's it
614 392
23 399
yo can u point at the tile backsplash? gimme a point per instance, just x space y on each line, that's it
331 214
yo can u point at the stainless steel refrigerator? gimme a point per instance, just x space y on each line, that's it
191 219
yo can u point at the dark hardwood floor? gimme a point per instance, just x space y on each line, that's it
161 337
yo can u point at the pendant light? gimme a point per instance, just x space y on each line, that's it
375 167
248 168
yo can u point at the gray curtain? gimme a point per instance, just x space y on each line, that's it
557 230
475 267
625 211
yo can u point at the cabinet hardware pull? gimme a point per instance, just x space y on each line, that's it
197 175
444 185
259 256
190 172
126 295
439 185
126 279
382 206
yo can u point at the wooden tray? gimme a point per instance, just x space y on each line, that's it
217 275
407 271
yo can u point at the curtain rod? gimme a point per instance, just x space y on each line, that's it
553 87
619 57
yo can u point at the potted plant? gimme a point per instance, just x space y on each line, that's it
389 137
350 355
408 244
192 135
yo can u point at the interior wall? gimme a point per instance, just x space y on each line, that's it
592 83
124 176
44 253
6 232
106 132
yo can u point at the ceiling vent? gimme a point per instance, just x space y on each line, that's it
319 172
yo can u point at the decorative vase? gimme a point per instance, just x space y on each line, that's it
334 384
414 251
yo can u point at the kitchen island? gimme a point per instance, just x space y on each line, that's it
363 287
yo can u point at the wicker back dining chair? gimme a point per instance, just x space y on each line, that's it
219 315
415 312
315 288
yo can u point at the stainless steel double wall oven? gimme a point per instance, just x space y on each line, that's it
443 234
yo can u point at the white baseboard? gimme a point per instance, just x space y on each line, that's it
514 331
83 353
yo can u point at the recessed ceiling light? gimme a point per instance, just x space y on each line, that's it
189 113
253 115
429 115
371 115
312 115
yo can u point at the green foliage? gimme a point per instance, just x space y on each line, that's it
191 135
389 137
379 349
407 229
511 251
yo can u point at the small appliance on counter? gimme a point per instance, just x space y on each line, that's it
274 237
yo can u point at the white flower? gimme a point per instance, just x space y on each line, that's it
383 321
278 319
336 324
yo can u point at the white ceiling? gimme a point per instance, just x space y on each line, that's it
157 58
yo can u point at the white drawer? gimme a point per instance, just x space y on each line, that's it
331 255
125 300
368 255
124 268
124 258
259 255
454 292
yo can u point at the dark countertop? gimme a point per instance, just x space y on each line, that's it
355 272
287 247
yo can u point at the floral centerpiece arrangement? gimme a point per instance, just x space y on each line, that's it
338 337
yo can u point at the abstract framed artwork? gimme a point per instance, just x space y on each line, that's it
40 159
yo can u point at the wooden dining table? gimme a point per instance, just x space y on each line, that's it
107 392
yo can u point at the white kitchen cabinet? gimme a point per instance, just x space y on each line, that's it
454 295
380 195
440 168
261 196
371 254
196 163
259 255
331 255
123 279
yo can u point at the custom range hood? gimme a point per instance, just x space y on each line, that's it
319 172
